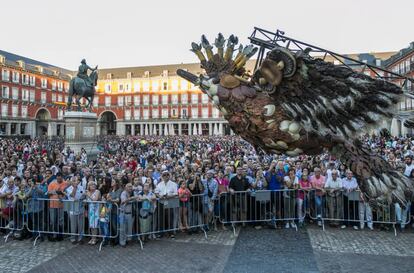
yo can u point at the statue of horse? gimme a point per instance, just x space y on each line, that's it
79 87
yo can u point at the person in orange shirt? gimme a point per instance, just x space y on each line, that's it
55 191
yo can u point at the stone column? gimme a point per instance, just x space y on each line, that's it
133 129
210 129
179 129
221 131
141 129
189 129
18 128
394 127
8 128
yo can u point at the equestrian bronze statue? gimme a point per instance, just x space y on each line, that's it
83 86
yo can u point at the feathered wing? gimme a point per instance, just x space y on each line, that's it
336 100
328 100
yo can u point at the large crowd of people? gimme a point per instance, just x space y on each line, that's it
132 185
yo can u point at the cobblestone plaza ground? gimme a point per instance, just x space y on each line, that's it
266 250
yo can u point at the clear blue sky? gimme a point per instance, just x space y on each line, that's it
135 33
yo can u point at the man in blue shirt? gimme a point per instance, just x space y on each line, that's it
274 177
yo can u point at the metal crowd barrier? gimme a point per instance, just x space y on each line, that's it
77 219
12 217
341 207
260 206
151 218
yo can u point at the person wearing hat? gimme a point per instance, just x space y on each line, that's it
83 71
166 189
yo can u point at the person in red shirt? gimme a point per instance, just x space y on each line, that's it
132 163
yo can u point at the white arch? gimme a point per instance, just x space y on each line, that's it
101 114
43 108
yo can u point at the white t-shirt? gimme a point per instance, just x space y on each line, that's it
408 169
169 188
333 184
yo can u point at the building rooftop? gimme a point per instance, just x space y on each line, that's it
32 65
400 55
154 70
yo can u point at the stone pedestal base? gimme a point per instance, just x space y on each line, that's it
81 132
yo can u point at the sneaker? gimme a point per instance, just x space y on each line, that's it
258 227
371 228
361 226
343 227
355 227
319 223
287 225
292 225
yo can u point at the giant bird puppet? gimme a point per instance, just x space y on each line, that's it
295 104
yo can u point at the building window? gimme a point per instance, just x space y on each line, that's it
165 86
5 92
32 95
129 75
194 112
25 79
5 75
146 86
204 112
120 101
32 80
164 99
184 98
60 98
136 113
44 83
184 113
95 101
60 113
107 88
16 76
137 86
184 85
174 85
136 100
60 86
154 113
164 113
128 100
174 113
43 97
155 86
121 88
145 113
15 93
216 112
194 98
204 98
53 97
155 100
25 95
53 85
127 87
127 114
15 111
4 109
145 100
174 99
108 101
24 111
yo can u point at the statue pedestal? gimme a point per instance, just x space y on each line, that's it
81 132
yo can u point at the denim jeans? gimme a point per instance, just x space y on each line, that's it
402 214
104 227
319 207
